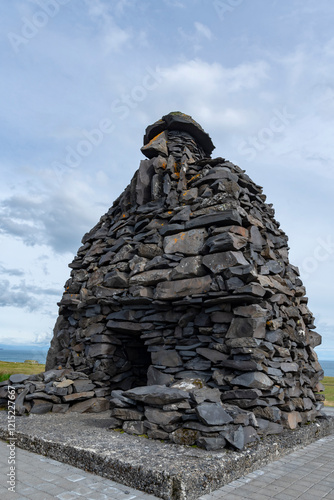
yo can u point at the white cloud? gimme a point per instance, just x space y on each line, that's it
210 78
114 38
57 219
204 30
212 93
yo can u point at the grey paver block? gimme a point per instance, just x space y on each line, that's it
68 496
97 495
309 496
257 496
284 496
23 490
81 490
102 486
75 477
52 489
40 495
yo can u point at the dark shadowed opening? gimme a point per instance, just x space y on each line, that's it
131 362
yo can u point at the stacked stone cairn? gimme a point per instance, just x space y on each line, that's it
182 313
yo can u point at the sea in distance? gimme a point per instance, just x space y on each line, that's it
20 353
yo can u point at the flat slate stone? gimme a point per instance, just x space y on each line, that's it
127 414
211 354
95 350
226 241
128 326
241 394
78 396
18 378
247 327
170 290
212 414
211 443
239 365
43 395
156 377
235 437
226 218
116 279
253 380
150 277
219 261
166 357
143 187
93 405
186 242
157 145
83 385
156 394
20 409
162 417
41 406
289 367
206 394
251 311
189 267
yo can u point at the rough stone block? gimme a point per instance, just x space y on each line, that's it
162 417
166 357
253 380
226 218
184 436
211 443
187 242
189 267
127 414
93 405
79 396
235 436
212 414
148 278
172 290
96 350
41 406
226 241
247 327
134 427
156 395
219 261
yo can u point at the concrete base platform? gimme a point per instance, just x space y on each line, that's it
165 470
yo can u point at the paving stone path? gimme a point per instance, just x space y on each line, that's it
306 474
41 478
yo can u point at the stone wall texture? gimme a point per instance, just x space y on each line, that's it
183 313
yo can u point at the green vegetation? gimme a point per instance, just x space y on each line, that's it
8 368
328 382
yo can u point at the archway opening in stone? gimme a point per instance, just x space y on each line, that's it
132 361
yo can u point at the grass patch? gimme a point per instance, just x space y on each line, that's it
8 368
328 382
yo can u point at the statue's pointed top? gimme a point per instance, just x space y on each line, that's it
180 121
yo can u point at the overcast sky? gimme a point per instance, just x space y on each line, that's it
81 80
